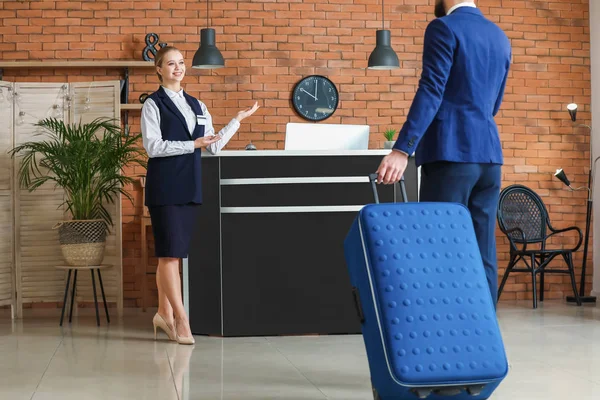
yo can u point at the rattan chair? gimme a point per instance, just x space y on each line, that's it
523 218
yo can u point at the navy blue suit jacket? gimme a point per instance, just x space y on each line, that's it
175 179
466 59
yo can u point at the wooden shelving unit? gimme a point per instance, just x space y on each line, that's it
131 106
76 64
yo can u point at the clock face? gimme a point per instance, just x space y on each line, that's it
315 98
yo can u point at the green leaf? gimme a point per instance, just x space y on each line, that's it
86 160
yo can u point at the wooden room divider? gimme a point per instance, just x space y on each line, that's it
29 247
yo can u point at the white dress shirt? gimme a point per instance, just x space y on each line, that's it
152 138
463 4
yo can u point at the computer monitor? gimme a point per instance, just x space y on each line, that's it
300 136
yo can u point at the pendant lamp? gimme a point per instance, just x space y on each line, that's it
383 56
208 56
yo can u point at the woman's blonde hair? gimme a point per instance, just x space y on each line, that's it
160 55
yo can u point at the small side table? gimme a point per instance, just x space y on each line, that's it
76 268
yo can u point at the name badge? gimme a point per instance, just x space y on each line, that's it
201 119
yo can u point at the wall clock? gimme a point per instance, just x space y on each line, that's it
315 98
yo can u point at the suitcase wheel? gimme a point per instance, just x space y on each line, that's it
375 394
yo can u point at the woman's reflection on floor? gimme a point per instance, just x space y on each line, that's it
175 365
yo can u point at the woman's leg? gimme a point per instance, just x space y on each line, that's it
168 275
165 310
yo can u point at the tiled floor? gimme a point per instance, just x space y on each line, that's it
554 352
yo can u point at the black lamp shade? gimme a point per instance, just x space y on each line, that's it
560 174
208 56
383 56
572 108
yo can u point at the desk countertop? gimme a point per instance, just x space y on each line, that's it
264 153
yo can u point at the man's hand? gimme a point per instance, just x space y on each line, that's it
392 167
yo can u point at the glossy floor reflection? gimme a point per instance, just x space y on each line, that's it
554 352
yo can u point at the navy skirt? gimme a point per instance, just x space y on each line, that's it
172 226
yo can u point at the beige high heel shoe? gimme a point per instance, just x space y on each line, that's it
181 339
159 322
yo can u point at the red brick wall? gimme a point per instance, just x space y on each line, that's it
270 45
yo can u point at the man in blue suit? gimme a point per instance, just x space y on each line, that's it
450 125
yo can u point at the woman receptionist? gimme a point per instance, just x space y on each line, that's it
175 127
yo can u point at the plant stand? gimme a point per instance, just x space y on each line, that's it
91 268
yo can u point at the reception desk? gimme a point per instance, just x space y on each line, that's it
267 253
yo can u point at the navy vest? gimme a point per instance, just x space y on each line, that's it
175 179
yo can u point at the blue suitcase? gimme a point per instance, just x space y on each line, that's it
427 316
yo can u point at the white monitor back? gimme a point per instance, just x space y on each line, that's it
326 137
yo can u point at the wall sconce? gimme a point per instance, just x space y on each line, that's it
560 174
572 108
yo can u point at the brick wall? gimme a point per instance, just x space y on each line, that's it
269 45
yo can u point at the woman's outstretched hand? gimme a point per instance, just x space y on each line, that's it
247 112
205 141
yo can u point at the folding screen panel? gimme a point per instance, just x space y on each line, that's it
7 291
91 100
36 243
27 219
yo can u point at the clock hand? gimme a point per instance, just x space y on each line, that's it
302 90
316 90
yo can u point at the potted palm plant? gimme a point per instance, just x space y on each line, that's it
389 138
87 161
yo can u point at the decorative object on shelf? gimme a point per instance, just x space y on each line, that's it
208 55
143 97
560 175
389 135
150 50
87 161
315 98
250 146
383 56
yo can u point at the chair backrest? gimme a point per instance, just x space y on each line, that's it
520 207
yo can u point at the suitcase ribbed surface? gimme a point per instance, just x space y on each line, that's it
434 307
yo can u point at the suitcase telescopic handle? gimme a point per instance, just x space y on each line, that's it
358 305
373 180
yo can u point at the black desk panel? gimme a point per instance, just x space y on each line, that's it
287 281
267 255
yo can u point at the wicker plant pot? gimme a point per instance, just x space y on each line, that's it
82 241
